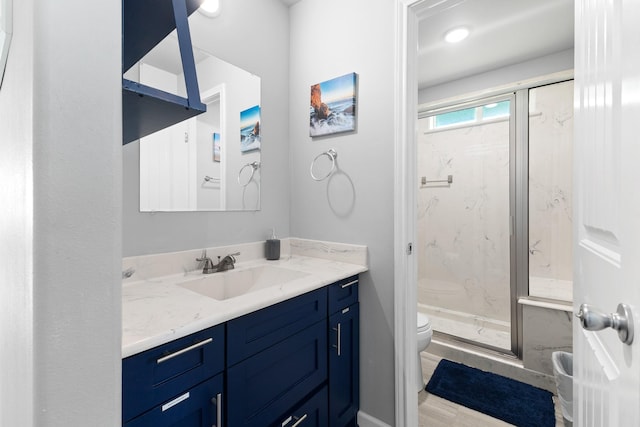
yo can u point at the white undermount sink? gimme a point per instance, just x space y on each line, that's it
234 283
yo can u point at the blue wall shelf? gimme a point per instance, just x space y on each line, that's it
144 24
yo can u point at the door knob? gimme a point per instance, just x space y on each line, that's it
595 320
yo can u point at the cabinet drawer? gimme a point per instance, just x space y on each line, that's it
343 293
262 388
312 413
254 332
197 407
161 373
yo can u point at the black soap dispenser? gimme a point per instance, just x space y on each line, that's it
272 249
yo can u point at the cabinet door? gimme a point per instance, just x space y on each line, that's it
311 413
265 386
344 369
200 406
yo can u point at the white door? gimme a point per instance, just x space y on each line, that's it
607 220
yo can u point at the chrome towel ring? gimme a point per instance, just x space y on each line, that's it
254 166
332 154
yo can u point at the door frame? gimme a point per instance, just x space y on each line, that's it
405 197
405 272
405 191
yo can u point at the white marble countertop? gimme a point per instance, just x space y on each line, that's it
156 311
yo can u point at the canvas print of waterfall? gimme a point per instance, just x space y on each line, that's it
333 106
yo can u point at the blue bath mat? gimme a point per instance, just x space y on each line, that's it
503 398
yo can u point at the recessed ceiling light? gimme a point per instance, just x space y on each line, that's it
210 8
456 35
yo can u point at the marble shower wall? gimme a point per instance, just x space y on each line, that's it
550 190
463 227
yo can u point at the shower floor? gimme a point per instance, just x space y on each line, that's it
481 330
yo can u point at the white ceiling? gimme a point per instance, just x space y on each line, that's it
503 32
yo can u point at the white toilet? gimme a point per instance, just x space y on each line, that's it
424 338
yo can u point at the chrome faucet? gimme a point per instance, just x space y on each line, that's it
227 263
224 264
208 263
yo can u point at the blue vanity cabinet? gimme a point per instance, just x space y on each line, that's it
276 357
292 364
154 379
344 353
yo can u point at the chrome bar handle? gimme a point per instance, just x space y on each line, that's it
346 285
299 420
219 410
218 402
339 338
184 350
592 319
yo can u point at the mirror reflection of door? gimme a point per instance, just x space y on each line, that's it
167 163
195 165
211 188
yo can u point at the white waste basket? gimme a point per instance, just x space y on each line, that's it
563 373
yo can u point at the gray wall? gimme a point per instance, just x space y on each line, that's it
60 249
548 64
330 38
254 35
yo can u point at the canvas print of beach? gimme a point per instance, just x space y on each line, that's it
333 106
250 129
216 147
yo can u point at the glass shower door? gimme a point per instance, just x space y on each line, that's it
464 221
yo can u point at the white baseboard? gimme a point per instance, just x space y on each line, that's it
366 420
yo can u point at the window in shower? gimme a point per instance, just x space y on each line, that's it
464 227
469 116
550 191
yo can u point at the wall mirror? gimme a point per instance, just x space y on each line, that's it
5 34
211 162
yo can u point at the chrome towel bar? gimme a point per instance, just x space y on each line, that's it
332 154
425 181
254 167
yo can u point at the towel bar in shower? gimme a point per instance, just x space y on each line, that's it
449 180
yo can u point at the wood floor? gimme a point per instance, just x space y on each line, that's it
434 411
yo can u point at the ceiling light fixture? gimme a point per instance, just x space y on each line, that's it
210 8
456 35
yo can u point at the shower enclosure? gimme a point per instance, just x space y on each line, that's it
494 208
